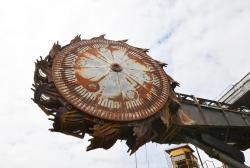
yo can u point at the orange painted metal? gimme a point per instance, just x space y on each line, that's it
110 80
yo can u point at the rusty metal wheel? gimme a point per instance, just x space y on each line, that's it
110 80
107 89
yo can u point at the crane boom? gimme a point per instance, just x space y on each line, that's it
220 129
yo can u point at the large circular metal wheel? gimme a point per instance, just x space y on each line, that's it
110 80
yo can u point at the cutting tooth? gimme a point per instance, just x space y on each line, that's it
102 36
162 64
76 39
142 49
57 45
145 50
55 48
123 41
99 37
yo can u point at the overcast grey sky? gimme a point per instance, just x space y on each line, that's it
205 42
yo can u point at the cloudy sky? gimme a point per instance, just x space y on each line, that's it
205 42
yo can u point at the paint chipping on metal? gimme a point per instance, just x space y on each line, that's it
115 78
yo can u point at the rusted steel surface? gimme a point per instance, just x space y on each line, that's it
110 80
225 122
107 89
113 91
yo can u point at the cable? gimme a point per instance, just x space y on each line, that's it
199 156
146 156
135 161
221 94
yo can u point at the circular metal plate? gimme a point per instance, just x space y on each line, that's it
110 80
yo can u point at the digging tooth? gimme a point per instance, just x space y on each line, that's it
99 37
76 39
123 41
145 50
